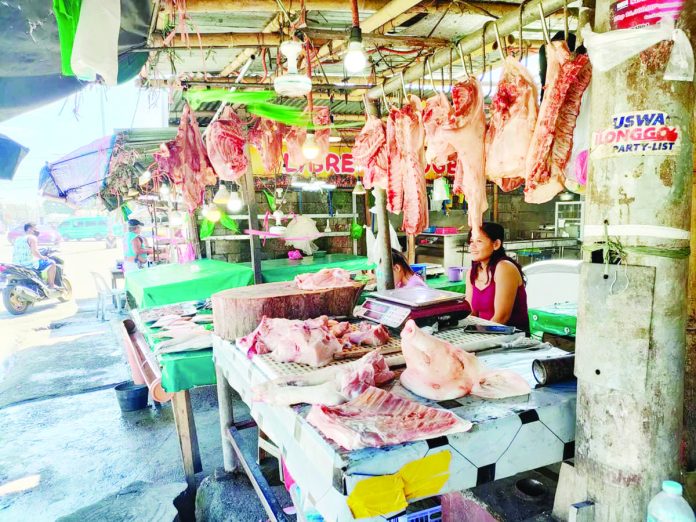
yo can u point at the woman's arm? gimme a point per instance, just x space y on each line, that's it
507 280
470 293
138 247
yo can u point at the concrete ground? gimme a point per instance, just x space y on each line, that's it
64 443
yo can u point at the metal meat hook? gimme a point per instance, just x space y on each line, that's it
461 57
544 28
497 39
522 6
430 72
403 84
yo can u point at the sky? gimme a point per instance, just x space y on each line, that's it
54 130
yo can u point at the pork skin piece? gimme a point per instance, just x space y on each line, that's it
225 144
294 139
514 111
267 136
435 123
369 334
412 149
378 418
395 172
325 278
307 342
330 386
437 370
568 77
370 153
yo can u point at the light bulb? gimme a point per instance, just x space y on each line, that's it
212 213
145 178
222 196
355 59
164 191
359 189
235 203
310 149
334 139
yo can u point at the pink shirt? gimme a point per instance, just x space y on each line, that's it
415 281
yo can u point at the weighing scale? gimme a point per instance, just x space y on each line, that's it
426 306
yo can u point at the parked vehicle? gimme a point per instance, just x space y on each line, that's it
22 287
48 236
88 228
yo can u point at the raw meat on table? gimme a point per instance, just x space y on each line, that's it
437 370
370 153
267 136
369 334
514 111
329 386
568 76
325 278
379 418
467 133
309 342
225 143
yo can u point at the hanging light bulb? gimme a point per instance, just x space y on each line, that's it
222 196
235 202
165 191
359 190
355 59
310 149
212 213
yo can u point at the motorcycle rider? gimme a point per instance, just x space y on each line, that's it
26 253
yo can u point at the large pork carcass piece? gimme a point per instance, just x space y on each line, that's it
186 161
370 153
436 118
325 278
568 76
294 139
514 111
379 418
330 386
468 128
406 177
267 136
225 143
437 370
308 342
296 136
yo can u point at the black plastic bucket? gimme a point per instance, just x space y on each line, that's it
131 397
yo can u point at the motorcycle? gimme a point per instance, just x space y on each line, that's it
22 286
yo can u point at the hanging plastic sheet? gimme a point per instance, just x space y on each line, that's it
607 50
11 155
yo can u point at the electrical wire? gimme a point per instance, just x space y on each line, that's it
355 13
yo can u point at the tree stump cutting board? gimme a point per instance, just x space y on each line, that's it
238 311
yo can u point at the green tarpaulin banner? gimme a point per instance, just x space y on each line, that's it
556 319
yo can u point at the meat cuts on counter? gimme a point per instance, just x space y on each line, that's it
468 126
514 111
308 342
568 76
185 161
267 136
437 370
328 386
406 175
225 143
325 278
379 418
370 153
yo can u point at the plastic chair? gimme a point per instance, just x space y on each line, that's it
106 294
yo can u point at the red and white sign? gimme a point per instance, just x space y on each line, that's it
627 14
639 133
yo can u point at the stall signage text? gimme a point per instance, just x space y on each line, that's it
641 133
627 14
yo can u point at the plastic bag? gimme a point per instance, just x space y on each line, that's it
607 50
302 231
576 169
371 242
95 49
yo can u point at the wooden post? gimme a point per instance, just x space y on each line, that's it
193 233
495 203
630 350
225 407
384 272
188 438
247 185
690 367
411 249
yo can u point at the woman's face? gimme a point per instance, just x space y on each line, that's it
481 247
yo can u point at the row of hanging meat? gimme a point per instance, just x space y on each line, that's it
523 143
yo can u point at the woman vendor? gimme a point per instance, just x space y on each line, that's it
134 246
404 276
496 285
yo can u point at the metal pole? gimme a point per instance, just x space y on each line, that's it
508 24
629 409
247 186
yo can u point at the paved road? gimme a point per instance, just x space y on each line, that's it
81 259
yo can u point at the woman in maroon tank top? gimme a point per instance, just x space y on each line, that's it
495 288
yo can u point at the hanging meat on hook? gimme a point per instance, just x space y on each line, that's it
568 76
296 136
514 111
437 135
225 144
267 136
370 153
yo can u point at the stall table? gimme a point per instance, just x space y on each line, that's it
509 436
174 283
557 319
442 283
275 270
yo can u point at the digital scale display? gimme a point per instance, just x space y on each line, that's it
380 308
385 313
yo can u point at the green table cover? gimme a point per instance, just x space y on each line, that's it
275 270
556 319
175 283
440 283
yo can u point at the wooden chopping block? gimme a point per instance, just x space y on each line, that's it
238 311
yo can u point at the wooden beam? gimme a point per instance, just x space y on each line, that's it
380 39
271 6
272 27
188 438
226 40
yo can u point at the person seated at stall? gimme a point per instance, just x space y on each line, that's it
495 286
134 246
404 276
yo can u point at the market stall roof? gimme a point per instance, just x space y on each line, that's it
30 64
11 155
226 37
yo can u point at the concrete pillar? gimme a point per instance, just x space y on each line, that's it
631 330
690 371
